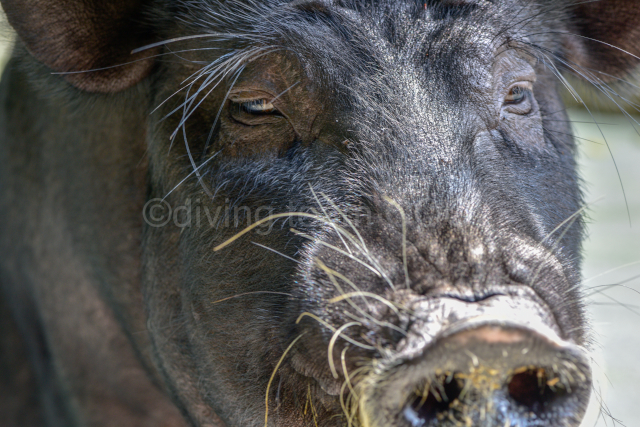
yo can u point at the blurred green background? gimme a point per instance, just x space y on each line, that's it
612 254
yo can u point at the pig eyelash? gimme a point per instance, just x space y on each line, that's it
214 74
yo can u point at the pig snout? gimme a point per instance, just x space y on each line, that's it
473 337
497 362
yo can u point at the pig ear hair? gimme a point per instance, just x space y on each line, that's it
605 36
75 36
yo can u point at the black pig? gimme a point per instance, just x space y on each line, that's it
297 213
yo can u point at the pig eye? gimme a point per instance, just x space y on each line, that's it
516 95
519 99
253 112
257 107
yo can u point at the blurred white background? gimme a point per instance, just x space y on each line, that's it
612 259
612 263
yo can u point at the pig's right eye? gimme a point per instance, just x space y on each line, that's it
254 112
258 106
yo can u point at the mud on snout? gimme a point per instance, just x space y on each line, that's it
449 361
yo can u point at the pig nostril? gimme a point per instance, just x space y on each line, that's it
436 397
535 389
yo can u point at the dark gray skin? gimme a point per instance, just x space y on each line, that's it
428 246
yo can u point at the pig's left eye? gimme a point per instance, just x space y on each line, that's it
519 99
517 95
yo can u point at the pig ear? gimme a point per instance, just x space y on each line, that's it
606 36
79 35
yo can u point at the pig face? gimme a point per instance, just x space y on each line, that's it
421 260
358 213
